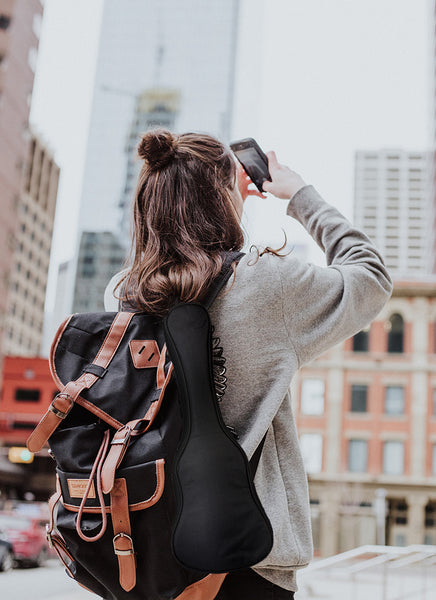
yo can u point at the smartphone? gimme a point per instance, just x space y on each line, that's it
253 159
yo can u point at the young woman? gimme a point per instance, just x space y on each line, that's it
276 314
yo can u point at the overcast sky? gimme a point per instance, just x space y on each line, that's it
316 81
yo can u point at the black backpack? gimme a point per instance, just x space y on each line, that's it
155 497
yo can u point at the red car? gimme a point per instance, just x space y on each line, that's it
27 536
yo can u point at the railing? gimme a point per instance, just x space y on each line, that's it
371 571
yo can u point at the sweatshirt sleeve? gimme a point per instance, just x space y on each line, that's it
323 306
110 302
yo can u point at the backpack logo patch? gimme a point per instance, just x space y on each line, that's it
145 353
77 487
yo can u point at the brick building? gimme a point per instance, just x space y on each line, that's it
366 415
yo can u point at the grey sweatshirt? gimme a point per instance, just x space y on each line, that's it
279 314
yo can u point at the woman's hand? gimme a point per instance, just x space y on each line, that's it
285 183
244 182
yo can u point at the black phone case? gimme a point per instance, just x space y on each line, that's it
246 144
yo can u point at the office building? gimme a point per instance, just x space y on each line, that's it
100 257
19 31
392 204
366 416
31 254
187 47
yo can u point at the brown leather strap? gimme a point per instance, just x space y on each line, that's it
153 410
123 544
118 448
96 470
160 375
58 410
205 589
54 538
113 339
64 401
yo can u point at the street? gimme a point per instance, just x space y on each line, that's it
44 583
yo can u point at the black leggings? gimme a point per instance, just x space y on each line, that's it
248 585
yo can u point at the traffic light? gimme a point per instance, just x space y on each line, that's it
19 454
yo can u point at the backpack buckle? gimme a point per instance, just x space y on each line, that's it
125 439
59 413
123 552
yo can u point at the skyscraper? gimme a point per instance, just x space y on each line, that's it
19 31
160 63
392 205
188 47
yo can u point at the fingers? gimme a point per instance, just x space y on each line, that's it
273 163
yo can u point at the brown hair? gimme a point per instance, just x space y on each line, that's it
184 219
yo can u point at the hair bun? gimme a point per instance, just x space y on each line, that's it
157 148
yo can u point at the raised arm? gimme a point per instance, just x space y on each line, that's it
323 306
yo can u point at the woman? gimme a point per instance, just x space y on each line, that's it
276 314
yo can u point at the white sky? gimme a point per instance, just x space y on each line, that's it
316 80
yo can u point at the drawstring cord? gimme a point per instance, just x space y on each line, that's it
96 468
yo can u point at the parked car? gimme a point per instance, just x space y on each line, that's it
27 536
6 553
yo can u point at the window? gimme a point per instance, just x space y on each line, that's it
396 333
23 425
394 400
434 402
312 397
393 458
357 456
27 395
311 450
4 21
359 395
361 341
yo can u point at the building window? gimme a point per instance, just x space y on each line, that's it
27 395
397 511
359 395
4 21
434 402
396 333
312 397
361 341
311 450
357 456
394 400
393 458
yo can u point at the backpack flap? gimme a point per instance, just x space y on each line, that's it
220 524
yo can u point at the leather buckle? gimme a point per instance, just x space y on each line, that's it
126 437
59 413
123 552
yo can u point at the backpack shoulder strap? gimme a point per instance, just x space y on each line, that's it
221 280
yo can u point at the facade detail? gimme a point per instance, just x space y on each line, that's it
392 203
366 416
31 255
